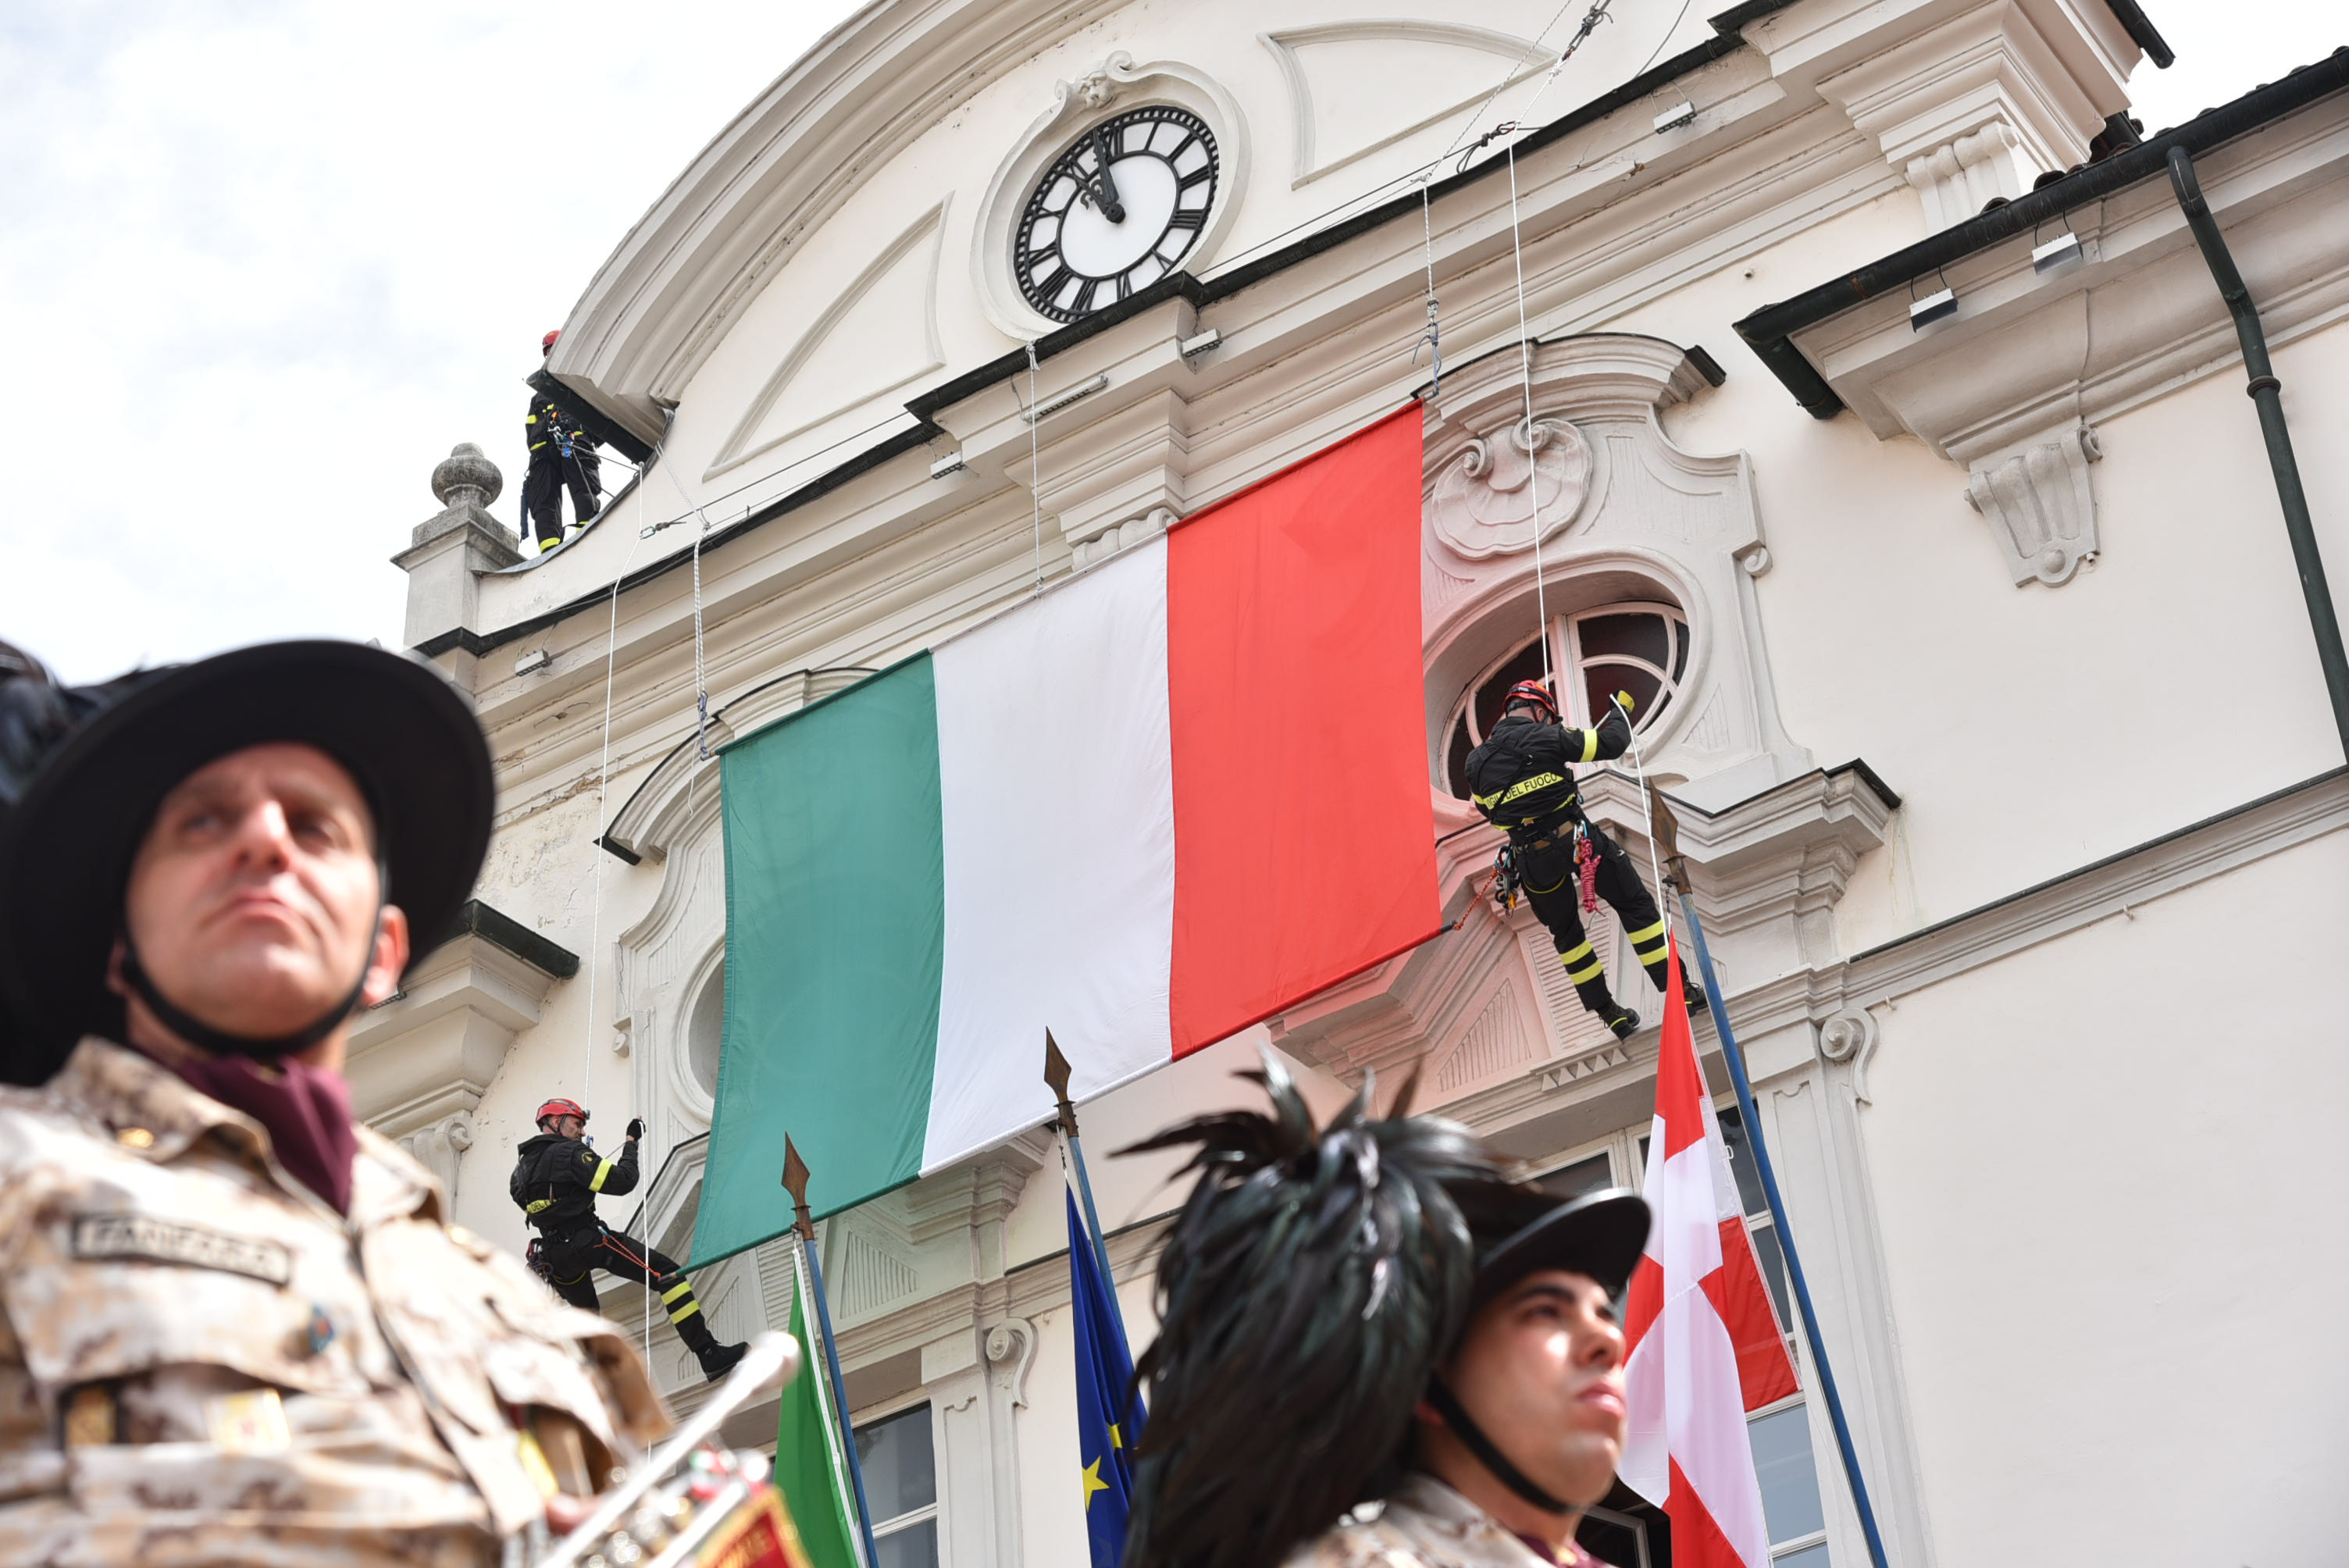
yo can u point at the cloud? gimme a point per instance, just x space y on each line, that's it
265 263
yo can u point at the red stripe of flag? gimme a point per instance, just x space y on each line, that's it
1304 840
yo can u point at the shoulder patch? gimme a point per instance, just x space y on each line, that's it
163 1242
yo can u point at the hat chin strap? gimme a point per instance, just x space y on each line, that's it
220 1042
1488 1454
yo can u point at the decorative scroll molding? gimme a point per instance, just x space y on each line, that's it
1117 536
1959 179
2039 504
1848 1039
1483 499
438 1147
1010 1352
1526 57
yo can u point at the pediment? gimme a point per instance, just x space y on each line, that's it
881 334
1357 86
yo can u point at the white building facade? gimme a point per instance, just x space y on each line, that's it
1974 660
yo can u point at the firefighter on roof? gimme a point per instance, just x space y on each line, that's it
561 454
1522 778
556 1178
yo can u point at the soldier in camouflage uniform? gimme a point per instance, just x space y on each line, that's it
235 1327
1376 1353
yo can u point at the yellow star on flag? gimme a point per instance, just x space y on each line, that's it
1093 1483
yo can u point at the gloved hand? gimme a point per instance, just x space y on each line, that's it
636 1128
1625 698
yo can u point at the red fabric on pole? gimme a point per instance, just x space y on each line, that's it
1704 1348
1697 1540
1305 845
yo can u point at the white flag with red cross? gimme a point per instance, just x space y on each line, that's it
1706 1347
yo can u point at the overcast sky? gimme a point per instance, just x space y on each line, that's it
262 263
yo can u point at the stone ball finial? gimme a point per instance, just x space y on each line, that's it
465 476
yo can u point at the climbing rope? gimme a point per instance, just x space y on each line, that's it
1433 336
1035 472
1532 431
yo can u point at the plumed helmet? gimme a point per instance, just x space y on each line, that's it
1330 1264
1534 692
555 1108
82 769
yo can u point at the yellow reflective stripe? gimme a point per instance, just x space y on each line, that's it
689 1308
1579 975
535 445
531 419
1486 801
1538 781
684 1287
1658 956
1571 953
1589 745
539 1205
1646 932
602 1171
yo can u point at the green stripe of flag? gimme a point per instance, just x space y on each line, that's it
838 804
810 1469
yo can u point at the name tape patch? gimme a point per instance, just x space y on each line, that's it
162 1242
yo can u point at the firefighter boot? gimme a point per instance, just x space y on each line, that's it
1589 980
685 1312
1619 1018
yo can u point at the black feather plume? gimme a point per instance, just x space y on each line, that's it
1305 1293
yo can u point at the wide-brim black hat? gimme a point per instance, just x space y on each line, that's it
398 726
1598 1233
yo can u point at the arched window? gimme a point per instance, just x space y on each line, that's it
1639 648
704 1029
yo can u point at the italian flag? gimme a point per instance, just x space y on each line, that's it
1159 802
1706 1347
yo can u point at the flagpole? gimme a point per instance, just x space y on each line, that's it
795 1180
1735 1058
1056 1075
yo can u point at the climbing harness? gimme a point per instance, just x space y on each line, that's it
1506 882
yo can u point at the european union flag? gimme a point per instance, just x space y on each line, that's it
1109 1421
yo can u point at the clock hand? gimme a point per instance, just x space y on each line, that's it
1112 208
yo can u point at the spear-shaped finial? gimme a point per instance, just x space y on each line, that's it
795 1180
1056 1077
1668 839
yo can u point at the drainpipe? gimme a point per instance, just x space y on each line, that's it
2267 392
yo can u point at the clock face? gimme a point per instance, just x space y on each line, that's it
1116 212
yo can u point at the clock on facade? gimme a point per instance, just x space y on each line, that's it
1116 212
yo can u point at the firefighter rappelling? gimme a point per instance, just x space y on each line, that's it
557 1177
562 456
1522 779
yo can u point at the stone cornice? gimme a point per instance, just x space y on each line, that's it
431 1050
2029 354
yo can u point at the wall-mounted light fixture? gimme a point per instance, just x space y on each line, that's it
531 663
1672 118
2057 254
1053 406
1940 305
1192 347
951 463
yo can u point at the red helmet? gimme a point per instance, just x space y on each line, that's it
1534 692
555 1108
548 341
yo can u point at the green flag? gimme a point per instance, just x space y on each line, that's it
810 1468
